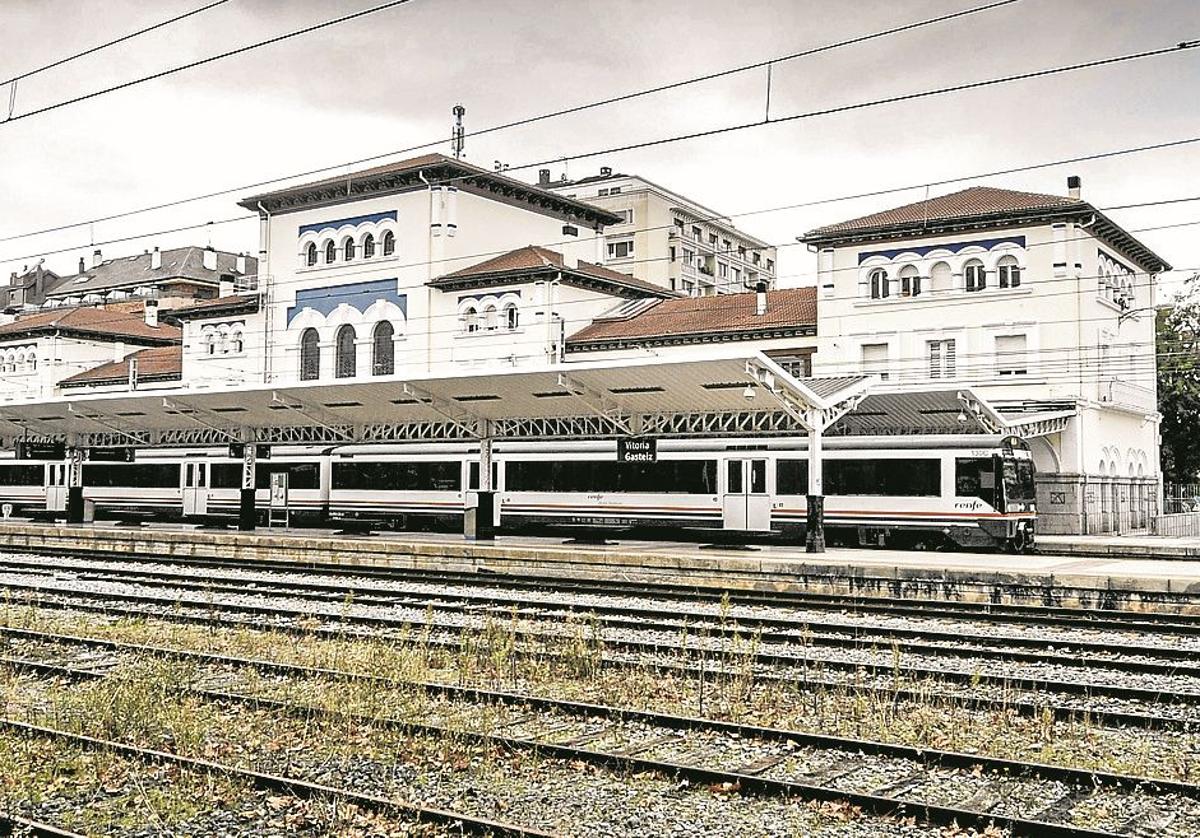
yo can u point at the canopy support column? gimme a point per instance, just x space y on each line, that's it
479 516
247 511
814 532
74 484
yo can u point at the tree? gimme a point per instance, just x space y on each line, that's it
1178 348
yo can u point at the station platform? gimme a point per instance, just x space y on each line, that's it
772 566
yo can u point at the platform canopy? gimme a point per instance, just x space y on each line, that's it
939 412
719 394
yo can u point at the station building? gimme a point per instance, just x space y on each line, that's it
1040 303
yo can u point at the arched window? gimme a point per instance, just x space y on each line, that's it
910 281
512 317
330 252
210 343
389 243
973 276
310 255
33 362
383 361
941 278
310 355
21 362
1009 272
348 248
368 246
491 320
346 352
470 319
879 284
239 344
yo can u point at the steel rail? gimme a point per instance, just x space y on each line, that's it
1060 712
16 825
749 783
991 610
951 675
274 782
669 620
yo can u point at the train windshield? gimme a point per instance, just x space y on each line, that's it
1017 469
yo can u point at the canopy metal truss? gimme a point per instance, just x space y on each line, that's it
1040 424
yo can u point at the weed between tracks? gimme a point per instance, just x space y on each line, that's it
727 689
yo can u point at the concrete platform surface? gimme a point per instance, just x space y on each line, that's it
1116 562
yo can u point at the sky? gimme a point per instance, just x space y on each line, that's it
388 81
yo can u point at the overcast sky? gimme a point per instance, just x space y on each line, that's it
388 81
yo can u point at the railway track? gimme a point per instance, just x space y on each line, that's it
14 825
880 778
997 600
1176 675
812 630
1133 708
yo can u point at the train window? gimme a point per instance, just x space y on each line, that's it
903 477
791 477
975 477
396 476
687 477
733 471
473 475
136 475
758 477
24 475
225 476
300 475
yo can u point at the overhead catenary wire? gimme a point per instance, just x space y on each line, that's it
530 120
207 60
111 43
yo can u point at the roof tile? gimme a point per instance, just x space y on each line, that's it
160 362
124 321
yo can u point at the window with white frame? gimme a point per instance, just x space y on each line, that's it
941 278
389 243
974 276
470 320
878 282
875 360
1011 355
330 252
622 249
942 358
910 281
348 248
310 355
626 216
368 246
310 255
511 317
1008 272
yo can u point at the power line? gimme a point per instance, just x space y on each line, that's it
210 59
114 42
528 120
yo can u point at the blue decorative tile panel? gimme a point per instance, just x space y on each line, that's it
953 247
357 295
374 218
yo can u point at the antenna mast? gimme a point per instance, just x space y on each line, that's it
457 136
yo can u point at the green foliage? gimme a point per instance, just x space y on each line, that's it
1178 347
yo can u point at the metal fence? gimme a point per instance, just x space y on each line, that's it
1181 497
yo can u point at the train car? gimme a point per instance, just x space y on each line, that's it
969 491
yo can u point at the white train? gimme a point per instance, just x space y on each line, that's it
968 491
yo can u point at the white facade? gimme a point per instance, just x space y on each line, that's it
1037 317
671 241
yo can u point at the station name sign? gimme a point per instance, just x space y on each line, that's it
637 449
41 450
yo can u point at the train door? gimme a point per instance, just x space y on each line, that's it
195 489
746 504
56 487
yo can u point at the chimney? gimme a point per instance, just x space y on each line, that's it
1074 186
96 258
210 259
225 286
543 177
606 171
156 259
151 313
239 264
760 299
82 265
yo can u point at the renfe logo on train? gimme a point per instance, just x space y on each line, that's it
637 450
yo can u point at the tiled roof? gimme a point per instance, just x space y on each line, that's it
117 322
532 260
162 363
966 203
702 317
403 174
199 308
185 263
